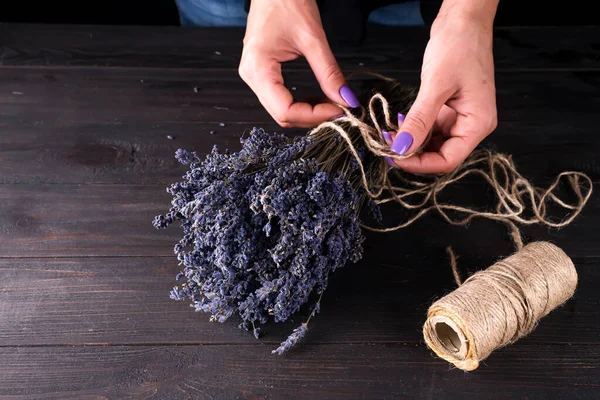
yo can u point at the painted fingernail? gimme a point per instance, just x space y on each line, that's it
349 96
390 161
386 136
401 118
402 143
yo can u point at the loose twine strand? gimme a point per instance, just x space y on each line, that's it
512 191
496 306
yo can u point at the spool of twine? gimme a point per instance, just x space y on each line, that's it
499 305
494 307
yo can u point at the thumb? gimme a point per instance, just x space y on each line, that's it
419 121
329 75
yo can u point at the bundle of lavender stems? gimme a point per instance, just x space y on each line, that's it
264 227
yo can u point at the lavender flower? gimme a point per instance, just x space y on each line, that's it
262 229
257 332
296 335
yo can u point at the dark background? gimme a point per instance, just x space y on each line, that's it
164 12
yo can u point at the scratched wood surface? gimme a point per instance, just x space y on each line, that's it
84 277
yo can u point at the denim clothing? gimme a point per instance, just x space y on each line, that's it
211 12
232 13
401 14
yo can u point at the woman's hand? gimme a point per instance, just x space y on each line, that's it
283 30
457 96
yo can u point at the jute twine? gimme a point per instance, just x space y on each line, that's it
493 307
421 193
497 306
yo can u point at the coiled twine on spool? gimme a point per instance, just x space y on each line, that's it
499 305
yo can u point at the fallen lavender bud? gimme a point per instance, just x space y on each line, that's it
244 325
257 333
296 335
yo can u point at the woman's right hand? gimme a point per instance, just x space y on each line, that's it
283 30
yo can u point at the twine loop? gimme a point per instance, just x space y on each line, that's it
421 193
503 303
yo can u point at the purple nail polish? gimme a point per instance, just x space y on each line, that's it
390 161
401 118
386 136
349 96
402 143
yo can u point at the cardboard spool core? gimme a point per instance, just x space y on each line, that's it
451 339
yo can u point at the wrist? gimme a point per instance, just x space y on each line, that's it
479 11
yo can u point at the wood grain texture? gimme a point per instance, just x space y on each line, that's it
165 96
125 301
174 47
323 371
91 126
84 276
116 220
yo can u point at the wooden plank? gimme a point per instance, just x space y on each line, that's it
115 97
115 220
87 220
125 301
143 154
157 47
329 371
138 153
89 125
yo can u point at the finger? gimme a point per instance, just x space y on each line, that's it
389 136
442 125
445 120
329 75
451 153
263 76
419 122
441 129
280 104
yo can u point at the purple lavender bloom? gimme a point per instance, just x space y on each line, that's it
177 294
257 333
183 156
296 335
261 230
244 326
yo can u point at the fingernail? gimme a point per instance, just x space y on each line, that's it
402 143
390 161
349 96
401 118
386 136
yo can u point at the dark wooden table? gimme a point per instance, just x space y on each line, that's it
84 277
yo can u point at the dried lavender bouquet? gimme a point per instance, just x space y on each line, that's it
263 228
